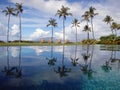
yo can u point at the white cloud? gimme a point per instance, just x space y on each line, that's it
15 30
45 6
58 35
50 7
2 29
70 33
39 33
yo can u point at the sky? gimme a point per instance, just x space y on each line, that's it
36 14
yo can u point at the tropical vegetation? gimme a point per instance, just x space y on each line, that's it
63 12
8 12
53 23
76 24
19 10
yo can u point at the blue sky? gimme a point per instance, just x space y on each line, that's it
37 13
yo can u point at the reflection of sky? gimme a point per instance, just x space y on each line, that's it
36 70
14 51
2 52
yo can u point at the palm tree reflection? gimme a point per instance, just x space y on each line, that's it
106 67
52 60
19 68
13 71
75 59
86 68
62 70
113 59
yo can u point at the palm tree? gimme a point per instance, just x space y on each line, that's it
114 26
108 19
92 14
9 11
75 24
118 26
87 29
52 22
19 11
86 17
63 12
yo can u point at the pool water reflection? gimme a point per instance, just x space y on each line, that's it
88 67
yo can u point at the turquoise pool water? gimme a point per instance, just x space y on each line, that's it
87 67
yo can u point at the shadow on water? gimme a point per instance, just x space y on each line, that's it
15 71
62 70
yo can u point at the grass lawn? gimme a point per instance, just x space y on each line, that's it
35 44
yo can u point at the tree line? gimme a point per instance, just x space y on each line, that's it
17 11
87 16
63 13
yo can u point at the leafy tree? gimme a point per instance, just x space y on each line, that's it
52 23
114 27
118 26
8 12
86 17
92 14
19 10
87 29
76 24
108 19
63 12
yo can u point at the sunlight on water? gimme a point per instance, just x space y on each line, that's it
85 67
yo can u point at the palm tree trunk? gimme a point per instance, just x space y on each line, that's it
63 30
20 28
87 33
88 36
76 34
8 28
92 29
115 35
111 28
52 35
